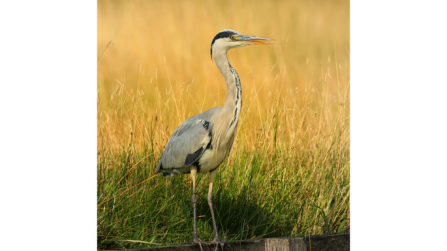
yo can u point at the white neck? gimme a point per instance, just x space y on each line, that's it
233 102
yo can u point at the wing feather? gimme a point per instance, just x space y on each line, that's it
187 144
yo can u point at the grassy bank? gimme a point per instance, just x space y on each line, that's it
257 194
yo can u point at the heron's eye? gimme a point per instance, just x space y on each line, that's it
232 37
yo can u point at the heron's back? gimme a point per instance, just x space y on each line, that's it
194 144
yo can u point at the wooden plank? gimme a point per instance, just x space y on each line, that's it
335 242
276 244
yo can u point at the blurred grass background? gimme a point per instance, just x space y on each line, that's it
288 172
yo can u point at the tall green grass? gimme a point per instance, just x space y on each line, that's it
256 196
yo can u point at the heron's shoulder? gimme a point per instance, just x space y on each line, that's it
196 125
208 114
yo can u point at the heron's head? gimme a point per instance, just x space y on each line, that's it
229 39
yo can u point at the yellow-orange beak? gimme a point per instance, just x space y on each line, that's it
256 40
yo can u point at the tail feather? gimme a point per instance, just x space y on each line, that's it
159 167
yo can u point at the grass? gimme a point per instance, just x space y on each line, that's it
288 171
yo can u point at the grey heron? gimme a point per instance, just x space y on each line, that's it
203 142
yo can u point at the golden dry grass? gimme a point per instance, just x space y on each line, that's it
160 56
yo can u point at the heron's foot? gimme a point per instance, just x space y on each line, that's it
199 241
218 241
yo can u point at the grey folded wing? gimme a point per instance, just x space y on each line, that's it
186 145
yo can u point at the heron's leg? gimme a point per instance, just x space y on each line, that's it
194 207
217 239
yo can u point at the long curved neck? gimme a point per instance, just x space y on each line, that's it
233 103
